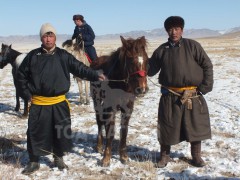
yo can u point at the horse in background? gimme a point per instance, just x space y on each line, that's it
126 69
15 58
77 50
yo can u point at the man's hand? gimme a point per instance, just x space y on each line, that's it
101 77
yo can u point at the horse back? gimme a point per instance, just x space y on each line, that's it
19 59
99 63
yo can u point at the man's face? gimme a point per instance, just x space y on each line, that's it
175 33
48 40
78 22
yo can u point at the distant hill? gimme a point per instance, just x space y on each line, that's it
161 33
30 39
149 34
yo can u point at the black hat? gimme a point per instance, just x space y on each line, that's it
78 16
174 21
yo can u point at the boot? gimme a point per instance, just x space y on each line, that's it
31 168
197 161
164 156
58 162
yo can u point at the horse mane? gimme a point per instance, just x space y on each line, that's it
67 43
106 62
129 46
72 43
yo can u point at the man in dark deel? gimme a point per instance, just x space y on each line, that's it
44 79
84 32
186 73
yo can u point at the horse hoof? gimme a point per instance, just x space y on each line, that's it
24 116
87 103
105 163
99 150
124 160
81 101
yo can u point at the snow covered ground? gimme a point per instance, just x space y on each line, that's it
221 153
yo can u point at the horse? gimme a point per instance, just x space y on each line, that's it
77 50
126 71
15 58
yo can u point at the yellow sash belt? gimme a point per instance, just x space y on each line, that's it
181 89
43 100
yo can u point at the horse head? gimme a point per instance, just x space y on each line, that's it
1 66
76 50
4 57
68 45
133 57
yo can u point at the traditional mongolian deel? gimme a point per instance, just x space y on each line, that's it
186 65
50 78
186 72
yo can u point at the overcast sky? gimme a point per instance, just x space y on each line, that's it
25 17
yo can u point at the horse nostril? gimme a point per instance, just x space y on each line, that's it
139 90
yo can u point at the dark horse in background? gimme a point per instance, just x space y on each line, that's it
126 70
9 55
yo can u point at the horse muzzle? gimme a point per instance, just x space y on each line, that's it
140 91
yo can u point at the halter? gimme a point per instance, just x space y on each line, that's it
141 73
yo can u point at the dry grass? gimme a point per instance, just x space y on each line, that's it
141 166
10 158
9 172
224 134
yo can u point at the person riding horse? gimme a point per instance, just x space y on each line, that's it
83 33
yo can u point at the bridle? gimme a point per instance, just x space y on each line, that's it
141 73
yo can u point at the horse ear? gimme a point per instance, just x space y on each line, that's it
10 46
123 40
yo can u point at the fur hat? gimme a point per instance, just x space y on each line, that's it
174 21
78 16
47 27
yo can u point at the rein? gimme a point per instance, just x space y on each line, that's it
86 57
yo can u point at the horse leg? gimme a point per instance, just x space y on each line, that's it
25 112
109 117
98 112
125 117
100 135
79 82
87 87
17 102
123 138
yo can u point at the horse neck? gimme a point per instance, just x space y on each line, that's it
115 67
80 55
13 55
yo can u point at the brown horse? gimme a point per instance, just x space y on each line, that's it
126 71
15 58
78 52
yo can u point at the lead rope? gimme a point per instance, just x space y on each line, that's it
183 100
